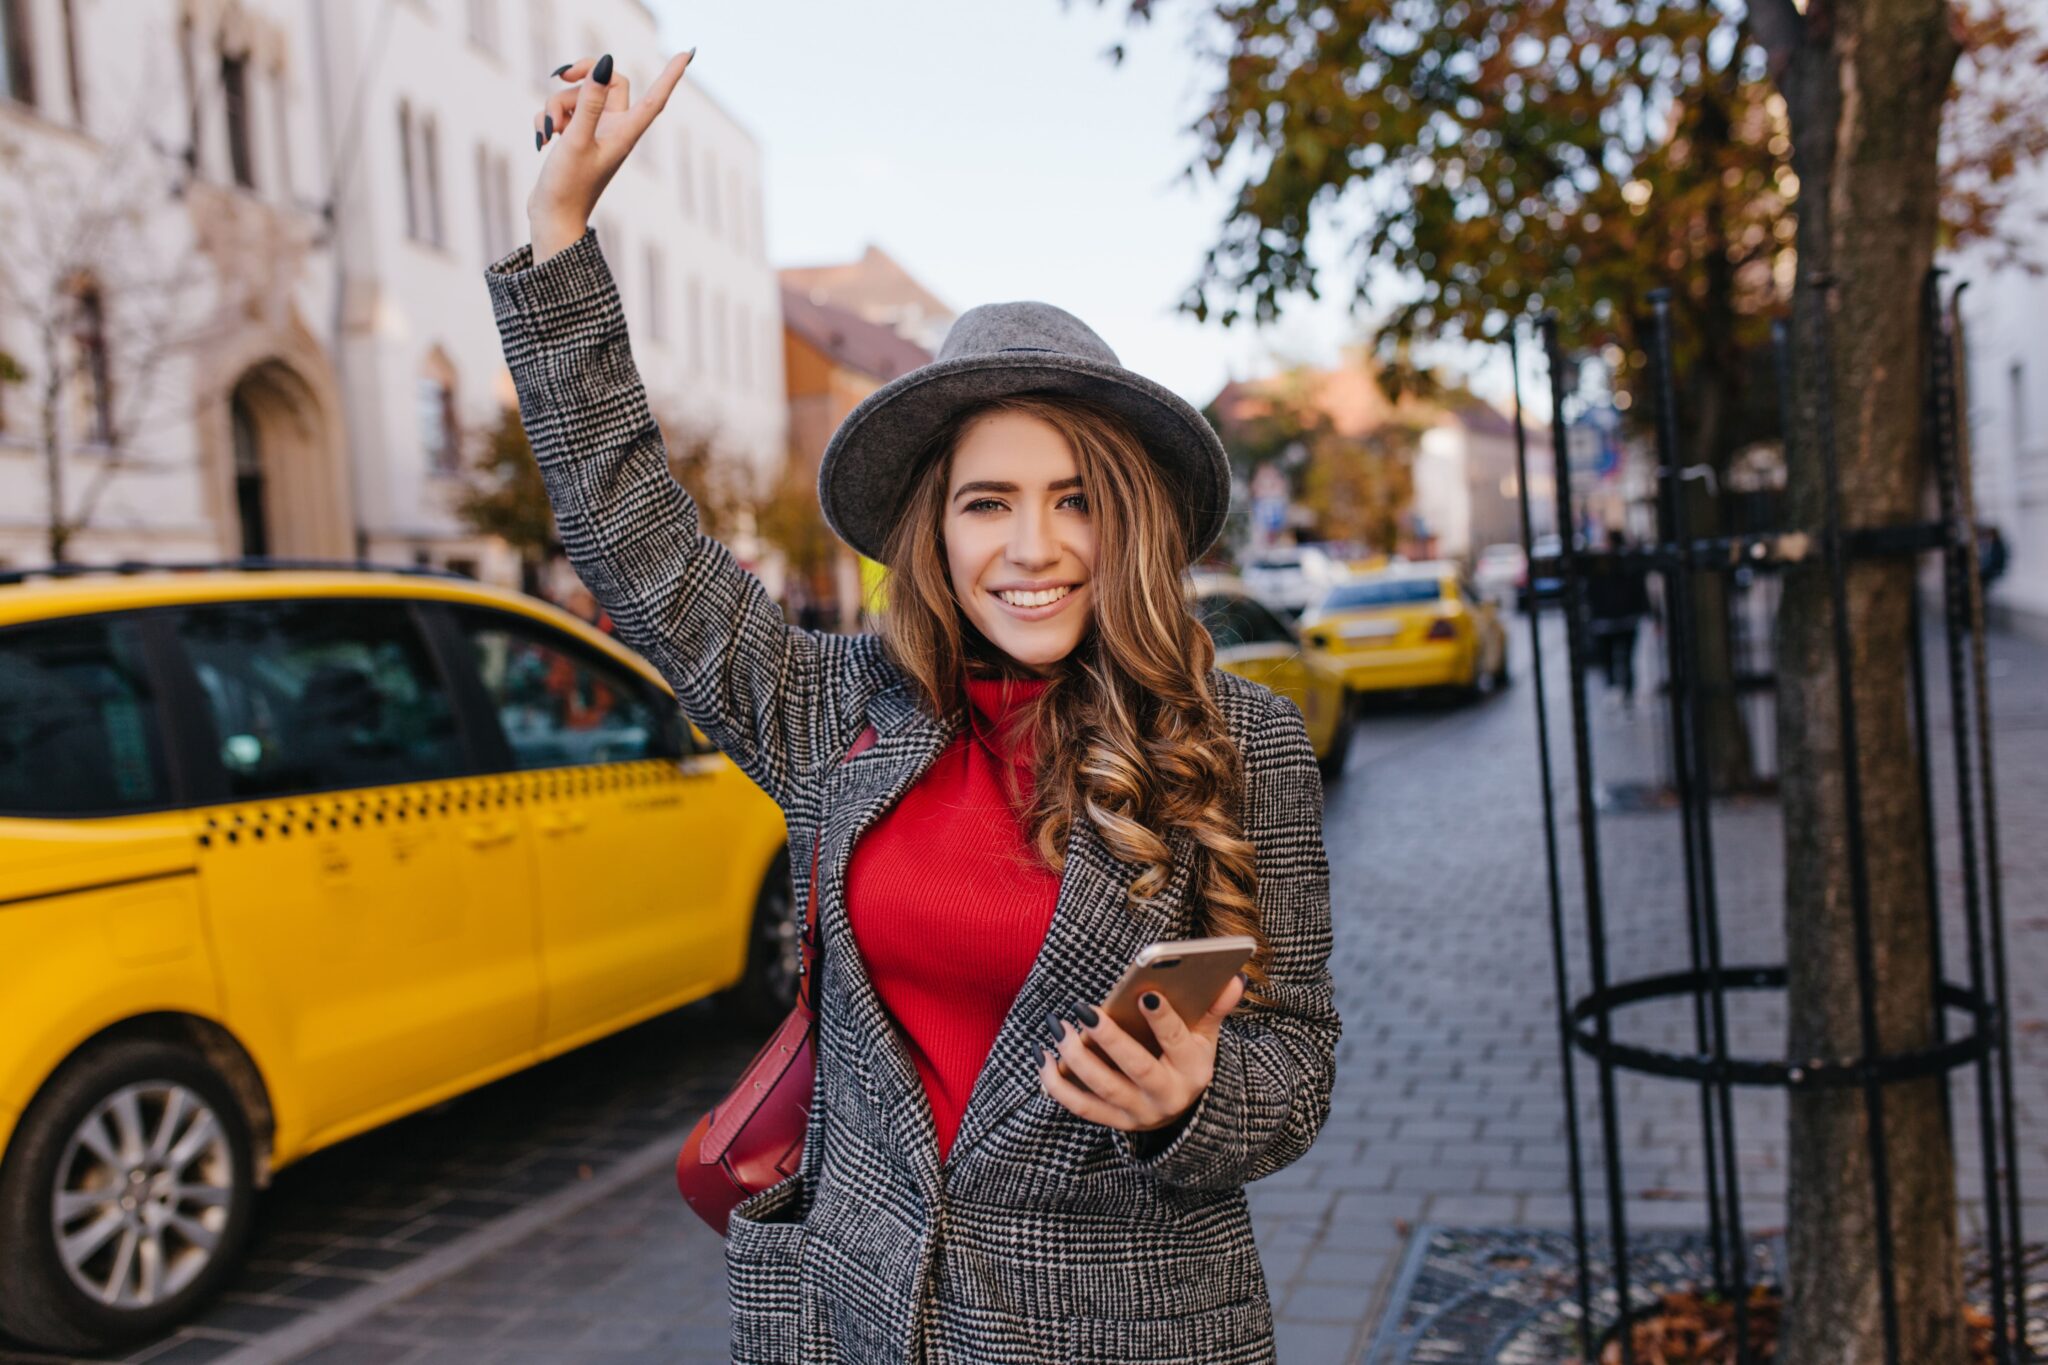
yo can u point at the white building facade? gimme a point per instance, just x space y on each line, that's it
357 167
2005 329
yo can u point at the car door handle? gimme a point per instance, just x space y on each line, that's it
491 833
563 822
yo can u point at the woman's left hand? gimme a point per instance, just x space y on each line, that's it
1132 1089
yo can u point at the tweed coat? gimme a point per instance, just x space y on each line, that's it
1041 1236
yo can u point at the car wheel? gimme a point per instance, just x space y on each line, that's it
767 992
1331 763
125 1200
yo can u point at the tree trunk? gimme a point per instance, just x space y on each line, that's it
1865 87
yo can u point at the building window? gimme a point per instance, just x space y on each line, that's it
540 38
91 370
655 282
234 98
17 53
686 175
494 202
2021 436
280 94
71 63
711 215
721 361
695 300
440 437
190 78
483 25
406 171
430 164
419 161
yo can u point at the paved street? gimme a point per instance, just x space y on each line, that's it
538 1222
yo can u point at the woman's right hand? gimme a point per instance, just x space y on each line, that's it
593 125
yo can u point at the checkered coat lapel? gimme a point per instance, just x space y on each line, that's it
1042 1238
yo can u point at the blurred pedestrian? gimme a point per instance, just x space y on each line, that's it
1057 777
1617 599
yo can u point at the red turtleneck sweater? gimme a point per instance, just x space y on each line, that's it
949 904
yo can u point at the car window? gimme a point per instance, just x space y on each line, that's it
1262 627
321 694
1387 592
1234 621
78 725
559 704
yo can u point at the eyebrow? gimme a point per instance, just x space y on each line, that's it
997 486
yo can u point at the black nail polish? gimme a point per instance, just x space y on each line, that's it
1150 1000
1244 978
602 72
557 72
549 129
536 141
1089 1015
1057 1025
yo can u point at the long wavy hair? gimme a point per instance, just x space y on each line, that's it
1127 731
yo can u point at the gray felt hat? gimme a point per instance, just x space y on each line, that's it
994 351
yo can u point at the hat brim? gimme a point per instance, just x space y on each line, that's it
865 471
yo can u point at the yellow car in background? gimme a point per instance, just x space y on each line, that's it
1409 627
1253 642
288 854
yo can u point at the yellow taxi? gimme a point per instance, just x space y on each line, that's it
1409 627
1253 642
287 854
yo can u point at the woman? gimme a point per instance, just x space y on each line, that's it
1057 777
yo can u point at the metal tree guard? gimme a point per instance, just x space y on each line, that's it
1586 1025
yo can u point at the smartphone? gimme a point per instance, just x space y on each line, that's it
1189 974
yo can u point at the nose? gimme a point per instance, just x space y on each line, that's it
1033 544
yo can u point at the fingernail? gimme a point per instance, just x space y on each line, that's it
602 72
1150 1000
691 54
536 141
1244 978
557 72
1089 1015
1057 1025
550 125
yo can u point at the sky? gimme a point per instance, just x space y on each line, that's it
993 149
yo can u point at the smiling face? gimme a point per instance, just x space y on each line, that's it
1020 540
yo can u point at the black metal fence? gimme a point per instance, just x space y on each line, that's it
1971 1026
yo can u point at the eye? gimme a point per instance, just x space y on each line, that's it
1080 501
980 503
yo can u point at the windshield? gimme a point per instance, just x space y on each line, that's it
1388 592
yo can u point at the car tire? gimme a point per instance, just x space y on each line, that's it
164 1113
1331 763
766 991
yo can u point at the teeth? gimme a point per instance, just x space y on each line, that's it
1043 598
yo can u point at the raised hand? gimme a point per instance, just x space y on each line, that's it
592 125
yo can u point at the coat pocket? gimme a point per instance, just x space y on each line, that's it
764 1241
1239 1333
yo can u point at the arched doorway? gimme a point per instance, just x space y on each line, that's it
281 468
249 503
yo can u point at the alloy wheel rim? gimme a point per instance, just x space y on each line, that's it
141 1199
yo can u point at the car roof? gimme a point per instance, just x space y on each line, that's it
86 593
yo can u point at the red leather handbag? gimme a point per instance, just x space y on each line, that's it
754 1137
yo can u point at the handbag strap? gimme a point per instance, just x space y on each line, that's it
808 942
